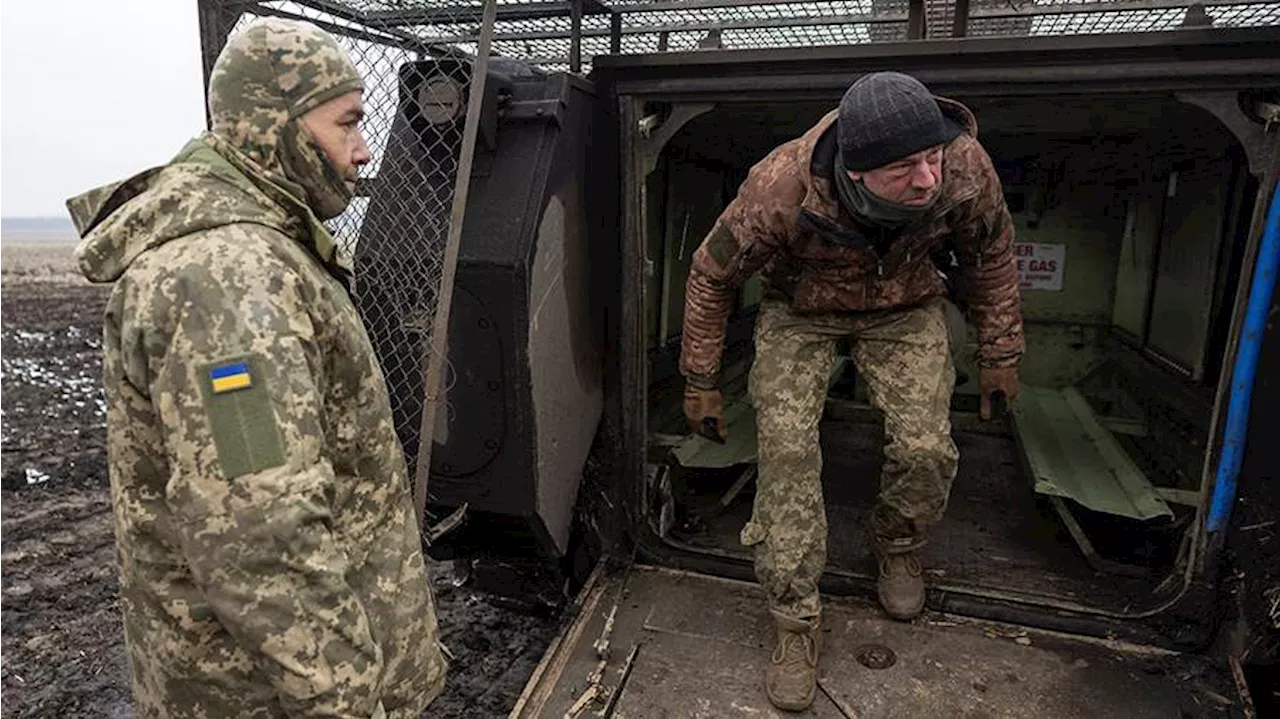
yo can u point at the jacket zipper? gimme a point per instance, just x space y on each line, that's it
870 282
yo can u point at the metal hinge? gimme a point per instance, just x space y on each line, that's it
533 110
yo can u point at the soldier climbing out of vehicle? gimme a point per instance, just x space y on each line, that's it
844 223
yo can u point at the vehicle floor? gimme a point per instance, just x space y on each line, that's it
656 642
997 536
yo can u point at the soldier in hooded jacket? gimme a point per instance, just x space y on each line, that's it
844 223
270 560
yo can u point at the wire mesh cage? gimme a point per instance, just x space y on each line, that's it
563 35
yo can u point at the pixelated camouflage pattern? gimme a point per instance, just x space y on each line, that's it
267 77
295 590
782 221
905 358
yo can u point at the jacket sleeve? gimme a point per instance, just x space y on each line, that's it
985 251
747 233
237 379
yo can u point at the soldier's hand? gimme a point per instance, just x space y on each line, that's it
1003 380
701 404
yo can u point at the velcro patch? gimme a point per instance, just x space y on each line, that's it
241 417
722 245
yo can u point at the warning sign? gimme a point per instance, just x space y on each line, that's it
1040 265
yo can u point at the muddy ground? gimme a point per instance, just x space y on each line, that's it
63 646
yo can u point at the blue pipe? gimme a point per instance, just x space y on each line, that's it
1255 321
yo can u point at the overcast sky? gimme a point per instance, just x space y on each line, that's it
92 91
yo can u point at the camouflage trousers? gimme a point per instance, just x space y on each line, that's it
904 356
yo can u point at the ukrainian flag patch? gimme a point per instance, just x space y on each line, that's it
242 414
229 377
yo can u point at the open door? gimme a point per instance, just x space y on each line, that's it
522 390
652 642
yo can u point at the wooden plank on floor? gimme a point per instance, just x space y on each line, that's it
1072 456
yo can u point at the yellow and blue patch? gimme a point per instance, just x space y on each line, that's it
229 377
242 418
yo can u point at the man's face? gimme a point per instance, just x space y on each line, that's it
913 180
336 127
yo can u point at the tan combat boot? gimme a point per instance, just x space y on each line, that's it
900 585
792 676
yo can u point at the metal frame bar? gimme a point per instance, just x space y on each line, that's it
548 10
679 5
1098 8
1077 52
976 81
1222 58
394 28
746 24
440 325
575 35
469 14
915 19
960 26
1268 179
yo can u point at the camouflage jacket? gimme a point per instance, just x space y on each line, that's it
786 221
270 560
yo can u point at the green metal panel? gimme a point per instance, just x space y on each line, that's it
1186 270
1136 263
1072 455
1086 222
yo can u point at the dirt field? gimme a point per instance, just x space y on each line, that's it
63 651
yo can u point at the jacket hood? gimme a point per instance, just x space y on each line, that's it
263 82
207 185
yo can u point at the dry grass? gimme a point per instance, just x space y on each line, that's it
25 263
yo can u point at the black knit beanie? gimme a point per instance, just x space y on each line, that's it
886 116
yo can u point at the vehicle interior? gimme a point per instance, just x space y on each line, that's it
1133 210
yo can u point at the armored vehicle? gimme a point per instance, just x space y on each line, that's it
1111 544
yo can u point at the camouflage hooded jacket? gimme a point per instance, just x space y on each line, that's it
270 560
786 221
